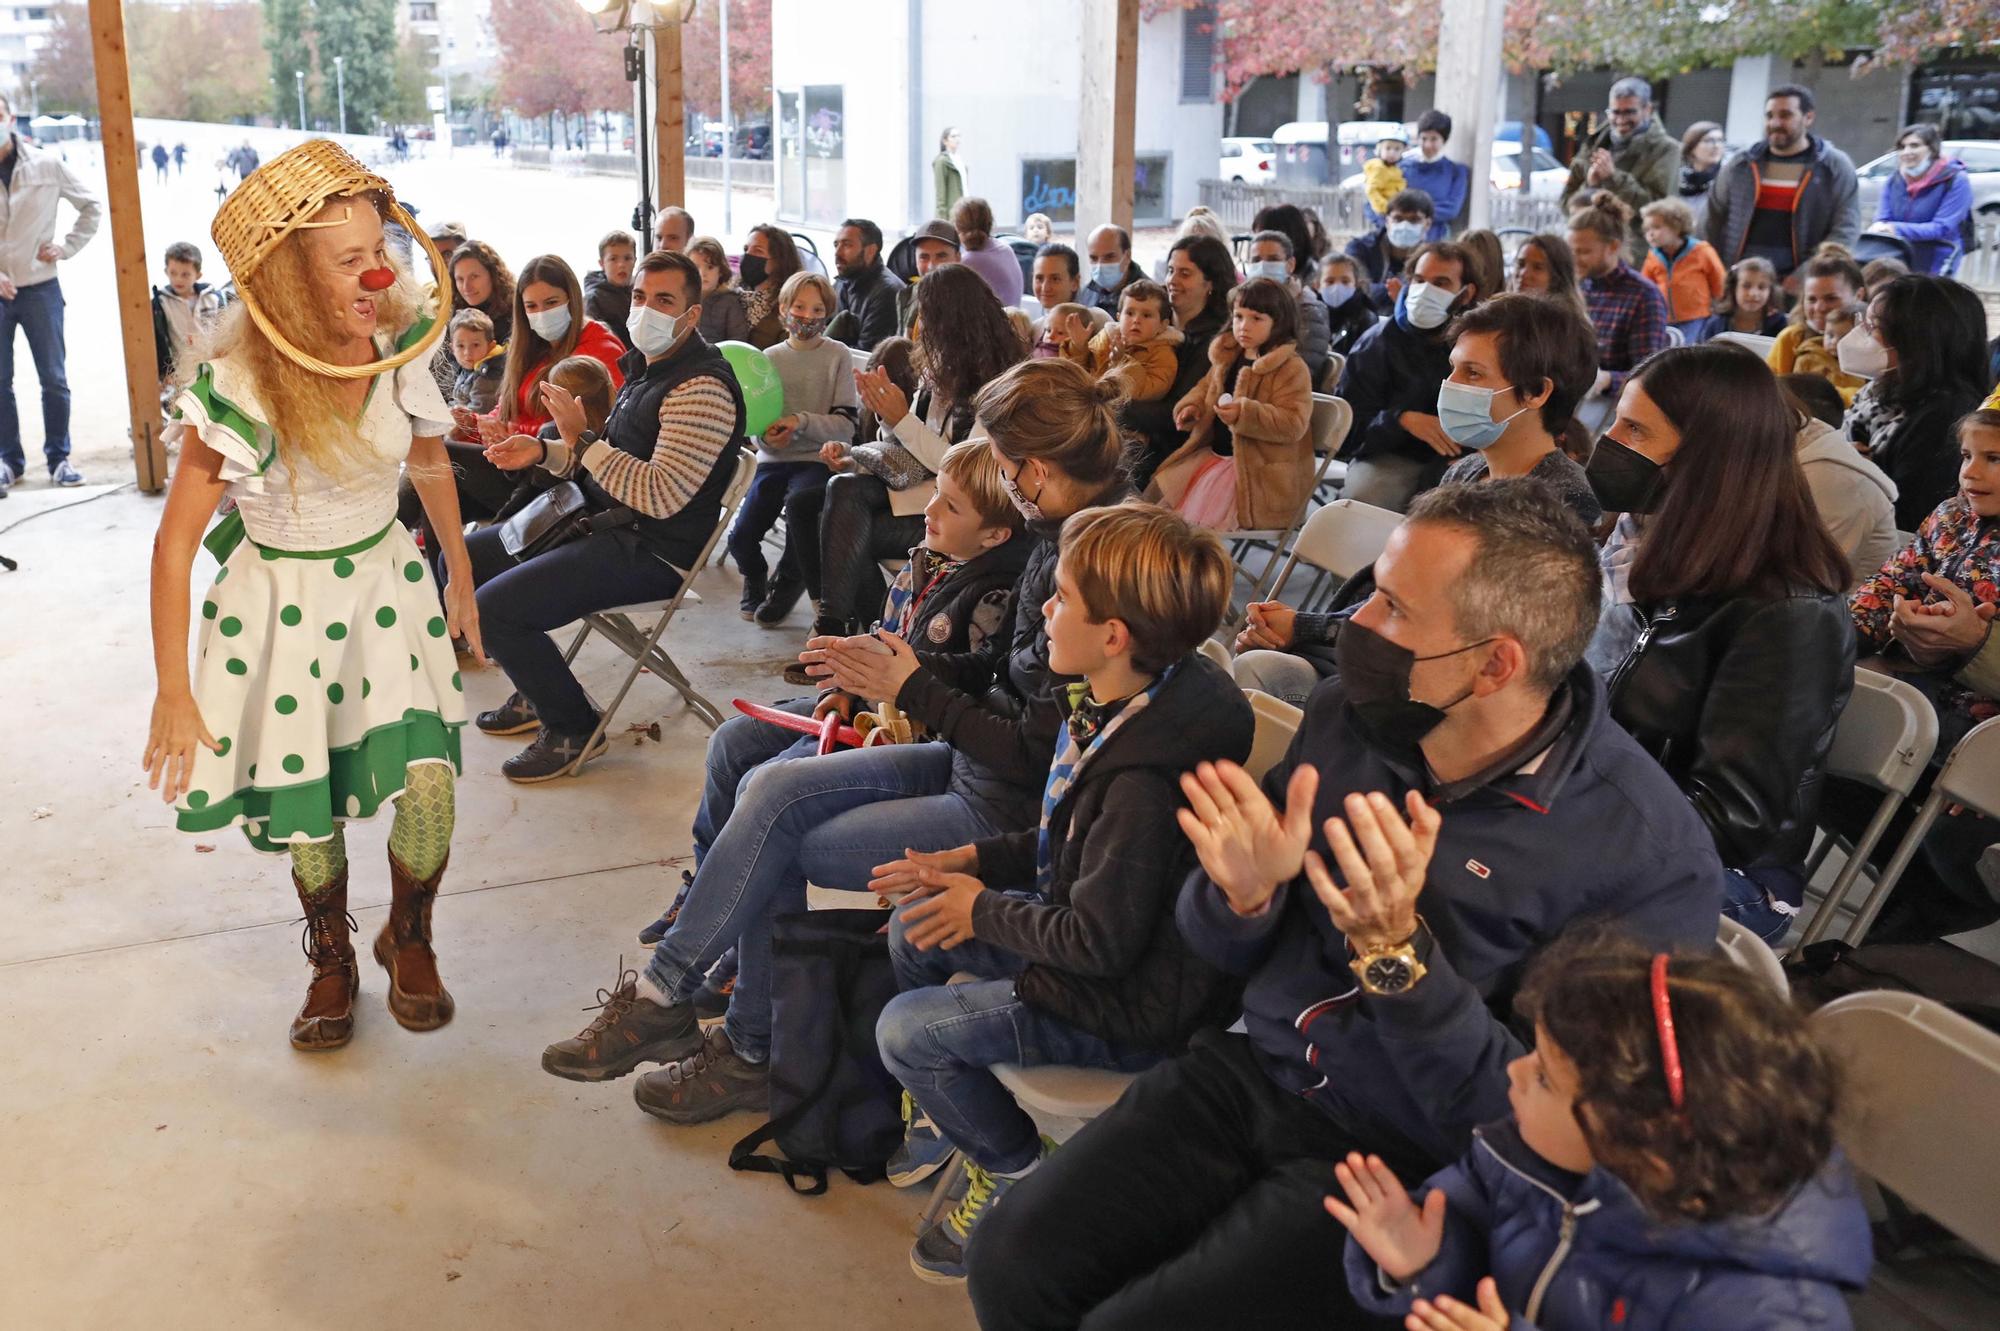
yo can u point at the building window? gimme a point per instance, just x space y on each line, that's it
423 11
1198 53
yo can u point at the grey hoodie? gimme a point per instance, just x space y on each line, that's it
1856 500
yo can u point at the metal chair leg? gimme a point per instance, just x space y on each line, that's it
1878 895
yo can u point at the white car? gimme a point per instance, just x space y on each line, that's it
1249 161
1546 176
1982 169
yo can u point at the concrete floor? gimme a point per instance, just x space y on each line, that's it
164 1151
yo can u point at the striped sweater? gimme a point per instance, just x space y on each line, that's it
697 421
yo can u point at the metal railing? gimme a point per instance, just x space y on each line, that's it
1341 210
744 173
1981 268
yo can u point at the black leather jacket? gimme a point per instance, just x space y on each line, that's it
1737 699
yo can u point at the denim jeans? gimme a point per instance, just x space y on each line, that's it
827 820
774 488
521 604
37 311
739 746
1280 674
941 1041
1764 901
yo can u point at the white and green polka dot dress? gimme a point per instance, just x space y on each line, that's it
324 667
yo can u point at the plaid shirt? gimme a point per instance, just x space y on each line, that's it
1631 319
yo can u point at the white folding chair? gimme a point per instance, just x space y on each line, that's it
1329 378
1675 337
1752 954
1970 776
1884 740
1757 342
1339 541
1277 722
1217 653
1331 419
859 357
643 647
1923 1090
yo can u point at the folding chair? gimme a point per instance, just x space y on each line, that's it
1752 954
1923 1086
1757 342
1884 740
1217 653
1339 540
859 357
644 647
1331 419
1675 337
1329 378
1970 776
1277 722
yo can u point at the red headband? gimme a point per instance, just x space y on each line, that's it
1670 1050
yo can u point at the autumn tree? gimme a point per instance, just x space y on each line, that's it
288 39
63 73
749 59
224 42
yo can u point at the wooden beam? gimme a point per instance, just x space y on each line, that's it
128 242
669 116
1106 114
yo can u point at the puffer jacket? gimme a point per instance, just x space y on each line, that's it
998 710
1829 203
1930 213
1103 951
1737 699
1578 1254
1272 438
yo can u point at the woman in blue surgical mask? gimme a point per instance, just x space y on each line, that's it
549 326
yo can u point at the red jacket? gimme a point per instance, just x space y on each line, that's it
596 341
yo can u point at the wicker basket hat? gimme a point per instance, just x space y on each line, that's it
283 195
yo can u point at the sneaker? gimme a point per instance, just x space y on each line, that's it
7 477
626 1032
785 596
516 716
714 1082
753 596
551 756
65 473
711 1001
938 1256
657 930
924 1149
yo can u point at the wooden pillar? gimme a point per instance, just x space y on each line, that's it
1468 90
669 115
1106 110
128 242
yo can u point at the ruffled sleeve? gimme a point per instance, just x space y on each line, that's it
417 389
222 420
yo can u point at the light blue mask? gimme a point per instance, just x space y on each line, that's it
1107 275
1466 415
1275 269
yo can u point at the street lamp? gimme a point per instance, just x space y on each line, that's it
299 77
340 84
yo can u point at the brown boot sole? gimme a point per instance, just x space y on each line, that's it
317 1035
413 1012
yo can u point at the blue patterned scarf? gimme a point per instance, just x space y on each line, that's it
906 594
1072 751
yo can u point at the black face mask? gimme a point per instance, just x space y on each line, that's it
1376 675
751 269
1624 479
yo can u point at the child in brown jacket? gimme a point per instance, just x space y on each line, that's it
1248 460
1137 351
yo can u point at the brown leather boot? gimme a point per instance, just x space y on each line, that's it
327 1019
417 997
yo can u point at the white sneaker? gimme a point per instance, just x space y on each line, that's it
66 474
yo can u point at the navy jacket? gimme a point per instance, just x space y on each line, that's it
1596 830
1391 370
1504 1218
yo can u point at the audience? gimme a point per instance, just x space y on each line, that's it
1629 312
1925 202
1111 267
1200 276
865 290
607 289
1382 175
549 325
1037 229
1383 252
673 229
1856 502
817 375
1703 146
1396 446
1649 1075
723 318
481 362
972 218
1058 282
1248 460
667 455
1273 256
1348 313
1726 645
1546 266
1830 293
1922 346
1462 773
483 282
770 257
1444 182
1090 970
1751 303
932 245
1685 268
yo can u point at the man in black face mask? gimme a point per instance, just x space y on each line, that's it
1455 798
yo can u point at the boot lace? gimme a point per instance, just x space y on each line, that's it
316 939
978 1191
613 1004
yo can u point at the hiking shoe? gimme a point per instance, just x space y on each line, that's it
712 999
786 593
753 596
715 1082
657 930
551 756
65 473
516 716
627 1031
924 1149
938 1256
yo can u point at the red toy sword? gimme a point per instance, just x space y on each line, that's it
832 732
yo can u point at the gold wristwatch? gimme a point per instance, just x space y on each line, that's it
1388 969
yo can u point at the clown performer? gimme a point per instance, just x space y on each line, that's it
324 680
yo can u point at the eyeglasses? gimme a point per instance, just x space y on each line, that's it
1716 139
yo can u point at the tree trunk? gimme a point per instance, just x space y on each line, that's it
1332 128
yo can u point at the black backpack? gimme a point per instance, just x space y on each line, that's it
833 1104
1966 983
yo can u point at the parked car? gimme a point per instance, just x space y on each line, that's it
1249 161
1301 144
1982 168
1546 176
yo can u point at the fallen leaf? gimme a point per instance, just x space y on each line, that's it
46 812
161 1128
451 1276
201 849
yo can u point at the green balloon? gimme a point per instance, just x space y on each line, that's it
763 395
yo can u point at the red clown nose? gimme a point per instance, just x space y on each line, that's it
378 279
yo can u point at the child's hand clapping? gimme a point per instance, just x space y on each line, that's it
1384 1221
836 455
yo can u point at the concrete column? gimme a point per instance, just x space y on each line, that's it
1749 81
1468 90
1106 114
